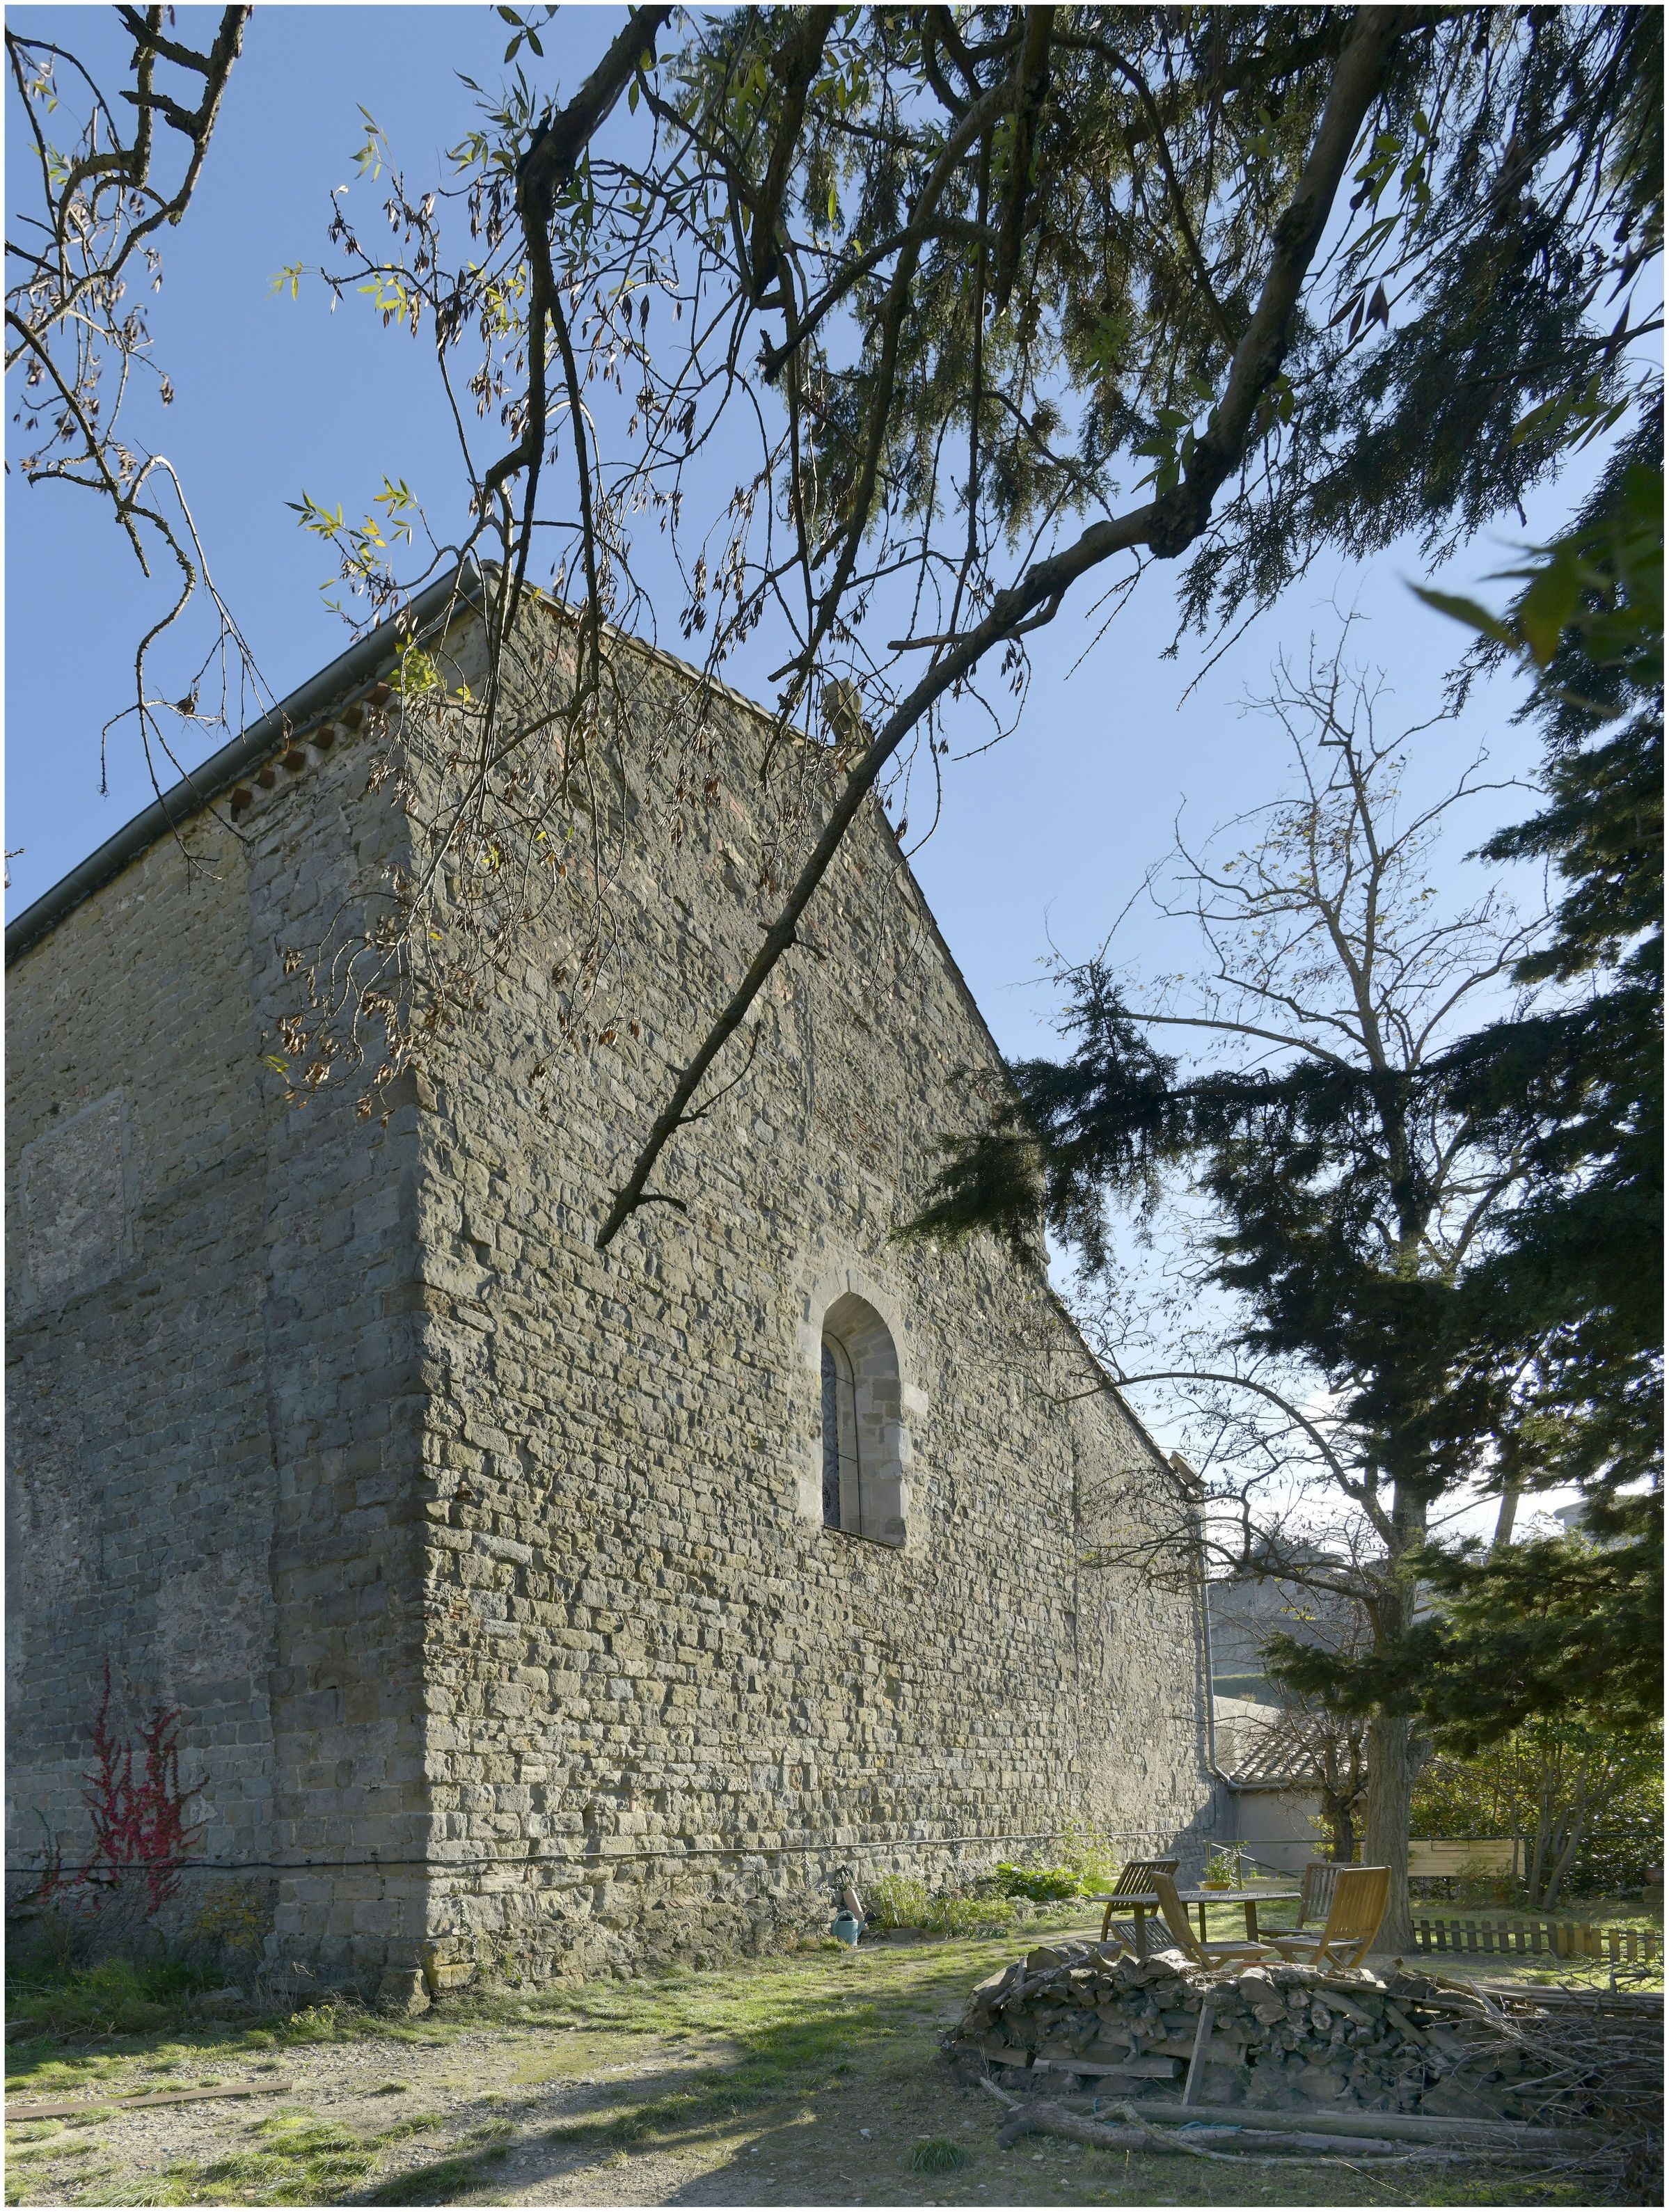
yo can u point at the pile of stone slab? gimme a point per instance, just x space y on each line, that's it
1074 2019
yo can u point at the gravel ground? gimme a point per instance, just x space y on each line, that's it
839 2146
522 2108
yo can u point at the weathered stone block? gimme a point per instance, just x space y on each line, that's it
402 1991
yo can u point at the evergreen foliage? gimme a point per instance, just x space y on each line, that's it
1567 1299
1528 1354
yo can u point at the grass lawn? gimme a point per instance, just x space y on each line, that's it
809 2079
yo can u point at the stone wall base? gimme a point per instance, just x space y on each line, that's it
619 1926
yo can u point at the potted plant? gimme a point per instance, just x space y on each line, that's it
1223 1868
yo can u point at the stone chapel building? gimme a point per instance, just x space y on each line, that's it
528 1605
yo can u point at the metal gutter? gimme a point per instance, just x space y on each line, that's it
1212 1765
348 672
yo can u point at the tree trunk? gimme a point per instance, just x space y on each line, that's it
1342 1826
1561 1864
1385 1828
1539 1848
1506 1514
1570 1837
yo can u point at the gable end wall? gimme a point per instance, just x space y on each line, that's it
667 1703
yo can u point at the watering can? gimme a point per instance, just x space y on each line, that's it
848 1925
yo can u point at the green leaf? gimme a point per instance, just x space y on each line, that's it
1467 611
1550 601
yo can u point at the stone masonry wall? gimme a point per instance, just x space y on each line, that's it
489 1571
666 1702
140 1492
216 1399
345 1391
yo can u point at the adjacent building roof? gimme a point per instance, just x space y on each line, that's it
1263 1747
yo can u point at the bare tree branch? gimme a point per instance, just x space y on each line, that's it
1168 525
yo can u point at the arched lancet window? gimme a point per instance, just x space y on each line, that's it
864 1448
842 1489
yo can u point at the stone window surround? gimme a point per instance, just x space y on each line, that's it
866 1315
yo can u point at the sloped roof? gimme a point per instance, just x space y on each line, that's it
1271 1749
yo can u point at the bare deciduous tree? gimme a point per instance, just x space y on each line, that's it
1317 1189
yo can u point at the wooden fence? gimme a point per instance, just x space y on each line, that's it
1560 1939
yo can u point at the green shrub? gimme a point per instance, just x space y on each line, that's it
1091 1857
896 1900
1043 1885
900 1900
966 1915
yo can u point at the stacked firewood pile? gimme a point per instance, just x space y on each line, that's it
1070 2018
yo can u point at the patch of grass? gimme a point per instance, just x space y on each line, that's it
655 2115
294 2158
301 2160
938 2154
134 2027
115 1996
464 2168
415 2124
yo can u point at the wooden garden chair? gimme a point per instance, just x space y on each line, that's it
1175 1914
1313 1905
1135 1881
1359 1898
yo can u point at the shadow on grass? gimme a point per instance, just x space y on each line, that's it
814 2045
867 2020
470 2163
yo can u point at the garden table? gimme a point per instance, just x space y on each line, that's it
1140 1906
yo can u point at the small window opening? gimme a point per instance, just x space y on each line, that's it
864 1445
842 1489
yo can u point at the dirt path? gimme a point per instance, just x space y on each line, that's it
490 2117
794 2081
